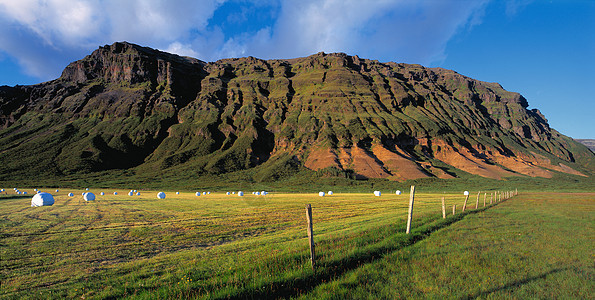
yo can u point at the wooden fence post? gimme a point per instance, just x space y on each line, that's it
410 214
443 209
310 234
491 197
454 209
465 204
484 199
477 200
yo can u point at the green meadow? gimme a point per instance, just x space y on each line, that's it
218 246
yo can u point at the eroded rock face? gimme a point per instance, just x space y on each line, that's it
127 106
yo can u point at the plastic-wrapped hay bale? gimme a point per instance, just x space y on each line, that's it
161 195
466 193
198 194
115 193
330 193
57 191
240 193
102 193
70 195
138 193
130 193
398 192
42 199
256 193
377 193
86 189
177 193
227 193
321 194
89 196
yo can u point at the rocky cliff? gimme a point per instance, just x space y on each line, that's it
131 107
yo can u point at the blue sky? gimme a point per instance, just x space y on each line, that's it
543 49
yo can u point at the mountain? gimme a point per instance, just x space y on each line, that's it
590 143
133 108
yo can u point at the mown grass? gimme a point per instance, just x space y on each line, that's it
212 246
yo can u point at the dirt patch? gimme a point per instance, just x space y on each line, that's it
464 160
401 167
321 158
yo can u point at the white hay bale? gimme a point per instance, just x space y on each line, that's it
57 191
466 193
177 193
198 194
398 192
70 195
204 193
227 193
263 193
138 193
89 196
256 193
161 195
86 189
321 194
135 191
377 193
35 190
330 193
102 193
130 193
233 193
115 193
240 193
209 193
24 193
42 199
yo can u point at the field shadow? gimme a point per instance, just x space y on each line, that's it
336 269
516 284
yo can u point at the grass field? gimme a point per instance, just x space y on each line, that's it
219 246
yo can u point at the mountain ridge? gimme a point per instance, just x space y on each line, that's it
126 106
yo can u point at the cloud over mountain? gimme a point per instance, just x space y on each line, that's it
45 35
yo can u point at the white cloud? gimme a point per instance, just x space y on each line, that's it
399 30
45 35
181 49
41 34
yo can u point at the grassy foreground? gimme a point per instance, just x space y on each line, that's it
219 246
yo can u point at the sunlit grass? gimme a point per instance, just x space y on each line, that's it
211 246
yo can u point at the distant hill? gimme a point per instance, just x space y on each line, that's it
127 107
590 143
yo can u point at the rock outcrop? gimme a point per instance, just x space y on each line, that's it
131 107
